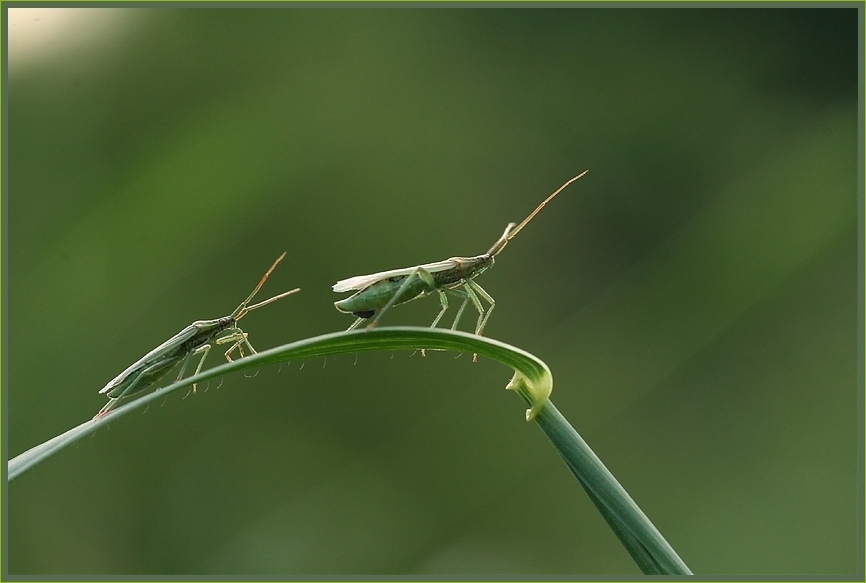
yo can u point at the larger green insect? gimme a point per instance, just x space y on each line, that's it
376 293
193 340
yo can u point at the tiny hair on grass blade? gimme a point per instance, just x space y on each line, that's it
195 339
377 293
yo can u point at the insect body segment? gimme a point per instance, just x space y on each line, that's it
195 339
376 293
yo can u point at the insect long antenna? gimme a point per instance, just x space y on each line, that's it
242 309
271 300
511 230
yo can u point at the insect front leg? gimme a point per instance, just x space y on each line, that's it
239 337
418 272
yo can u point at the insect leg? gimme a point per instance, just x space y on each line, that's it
185 364
475 302
355 325
419 272
443 301
248 345
460 311
245 341
239 338
459 314
482 318
105 409
203 350
473 290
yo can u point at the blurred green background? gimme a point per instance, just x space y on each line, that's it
696 294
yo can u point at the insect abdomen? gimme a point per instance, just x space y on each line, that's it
373 298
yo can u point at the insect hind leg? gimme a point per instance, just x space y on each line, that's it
106 409
111 404
418 272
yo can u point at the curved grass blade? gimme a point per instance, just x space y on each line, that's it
532 381
532 378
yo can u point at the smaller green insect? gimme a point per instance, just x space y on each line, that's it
193 340
376 293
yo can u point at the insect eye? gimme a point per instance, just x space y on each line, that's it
365 315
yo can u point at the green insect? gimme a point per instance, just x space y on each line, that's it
193 340
376 293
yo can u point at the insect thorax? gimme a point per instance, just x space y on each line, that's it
207 330
464 268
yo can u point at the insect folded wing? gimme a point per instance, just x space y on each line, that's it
360 282
115 382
